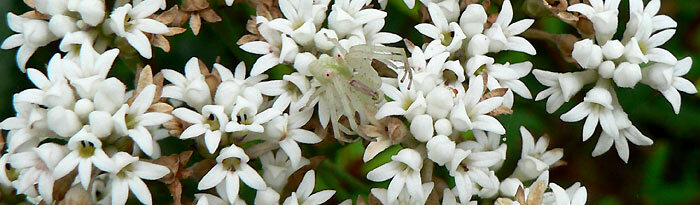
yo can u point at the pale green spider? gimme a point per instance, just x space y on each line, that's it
350 85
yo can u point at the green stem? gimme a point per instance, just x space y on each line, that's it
351 180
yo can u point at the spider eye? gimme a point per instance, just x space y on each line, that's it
328 74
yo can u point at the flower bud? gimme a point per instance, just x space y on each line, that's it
63 122
439 102
606 69
440 149
627 75
613 49
587 54
422 127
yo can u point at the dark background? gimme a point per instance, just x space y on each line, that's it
666 172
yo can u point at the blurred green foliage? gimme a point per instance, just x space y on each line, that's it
666 172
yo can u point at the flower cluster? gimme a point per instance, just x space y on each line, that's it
440 104
609 63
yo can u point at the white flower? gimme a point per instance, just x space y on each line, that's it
128 175
286 130
347 17
27 128
587 54
534 157
404 170
596 107
642 47
86 151
303 193
575 195
487 149
404 197
450 8
299 20
212 123
53 89
503 34
374 36
644 19
191 88
562 86
232 165
501 76
133 119
277 48
447 36
132 23
470 113
603 16
236 85
440 149
667 80
89 70
245 117
37 167
31 34
406 102
292 91
466 167
485 181
277 168
628 132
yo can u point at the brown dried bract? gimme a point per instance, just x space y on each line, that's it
77 196
168 18
33 14
176 164
195 11
144 76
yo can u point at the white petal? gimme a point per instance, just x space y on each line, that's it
257 47
292 149
120 191
143 100
154 118
140 42
577 113
674 98
251 177
151 26
149 171
384 172
320 197
140 190
603 145
143 139
305 136
212 178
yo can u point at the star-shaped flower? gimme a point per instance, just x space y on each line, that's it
232 166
